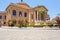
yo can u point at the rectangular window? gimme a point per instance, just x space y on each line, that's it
5 17
25 14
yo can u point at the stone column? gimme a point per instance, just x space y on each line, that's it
29 17
34 18
7 23
37 15
2 20
34 15
17 21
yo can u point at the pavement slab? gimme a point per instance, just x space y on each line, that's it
28 34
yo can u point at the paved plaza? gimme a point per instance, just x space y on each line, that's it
29 34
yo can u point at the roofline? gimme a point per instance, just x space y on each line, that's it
40 6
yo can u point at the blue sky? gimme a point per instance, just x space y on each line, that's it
53 6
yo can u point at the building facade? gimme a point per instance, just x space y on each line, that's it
23 13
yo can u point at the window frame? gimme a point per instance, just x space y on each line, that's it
25 14
5 17
20 13
14 13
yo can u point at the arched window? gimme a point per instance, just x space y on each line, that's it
25 14
20 13
14 12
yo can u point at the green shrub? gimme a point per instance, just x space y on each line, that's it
11 25
38 25
45 25
41 25
58 25
31 25
27 25
19 25
51 25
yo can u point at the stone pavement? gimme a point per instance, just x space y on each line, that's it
28 34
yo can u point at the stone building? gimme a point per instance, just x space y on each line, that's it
22 12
